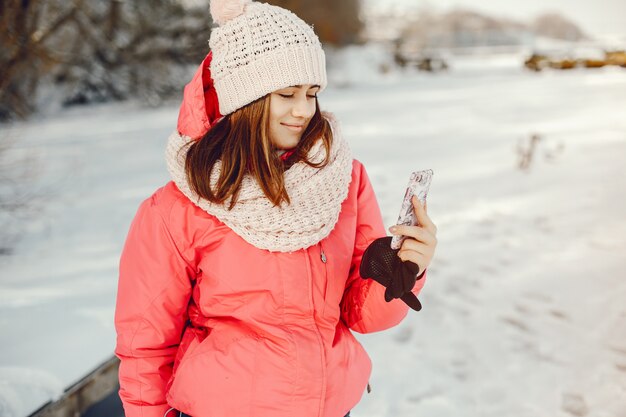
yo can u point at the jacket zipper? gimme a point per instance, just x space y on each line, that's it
317 329
327 283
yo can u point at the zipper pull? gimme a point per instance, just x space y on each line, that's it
322 254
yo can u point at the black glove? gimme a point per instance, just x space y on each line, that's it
382 264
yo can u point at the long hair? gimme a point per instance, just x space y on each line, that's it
241 141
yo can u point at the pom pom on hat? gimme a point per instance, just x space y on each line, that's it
224 10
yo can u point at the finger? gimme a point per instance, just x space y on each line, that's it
411 244
413 256
422 217
409 231
416 232
426 246
394 290
411 300
418 206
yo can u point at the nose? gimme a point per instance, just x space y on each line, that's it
302 108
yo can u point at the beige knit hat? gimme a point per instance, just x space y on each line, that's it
259 48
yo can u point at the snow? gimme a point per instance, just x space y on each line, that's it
524 311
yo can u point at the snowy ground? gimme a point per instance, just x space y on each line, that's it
522 314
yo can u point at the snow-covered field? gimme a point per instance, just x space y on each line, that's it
524 309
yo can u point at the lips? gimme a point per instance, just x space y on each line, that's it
294 127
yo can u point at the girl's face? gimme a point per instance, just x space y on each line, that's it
291 110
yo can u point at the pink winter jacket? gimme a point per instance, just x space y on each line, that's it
215 327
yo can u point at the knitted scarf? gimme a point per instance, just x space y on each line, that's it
316 196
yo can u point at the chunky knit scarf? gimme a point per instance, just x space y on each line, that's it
316 196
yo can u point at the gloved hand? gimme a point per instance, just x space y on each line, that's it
382 264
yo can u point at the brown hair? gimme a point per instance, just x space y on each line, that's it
241 141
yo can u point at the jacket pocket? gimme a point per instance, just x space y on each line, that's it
217 375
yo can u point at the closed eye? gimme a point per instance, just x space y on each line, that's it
291 95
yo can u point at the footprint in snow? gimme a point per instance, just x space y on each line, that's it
574 404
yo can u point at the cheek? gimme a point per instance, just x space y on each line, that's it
274 125
277 110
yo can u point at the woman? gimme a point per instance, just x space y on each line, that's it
239 280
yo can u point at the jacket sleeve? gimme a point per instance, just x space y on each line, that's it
364 308
151 310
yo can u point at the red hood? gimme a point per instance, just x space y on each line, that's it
200 107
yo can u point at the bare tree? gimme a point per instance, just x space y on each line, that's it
25 28
123 49
96 50
526 151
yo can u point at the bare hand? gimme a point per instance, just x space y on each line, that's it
419 247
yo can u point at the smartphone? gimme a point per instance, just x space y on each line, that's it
419 183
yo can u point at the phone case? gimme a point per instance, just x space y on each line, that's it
419 183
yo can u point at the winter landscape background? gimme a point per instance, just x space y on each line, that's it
524 312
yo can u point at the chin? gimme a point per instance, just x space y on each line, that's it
287 144
284 140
